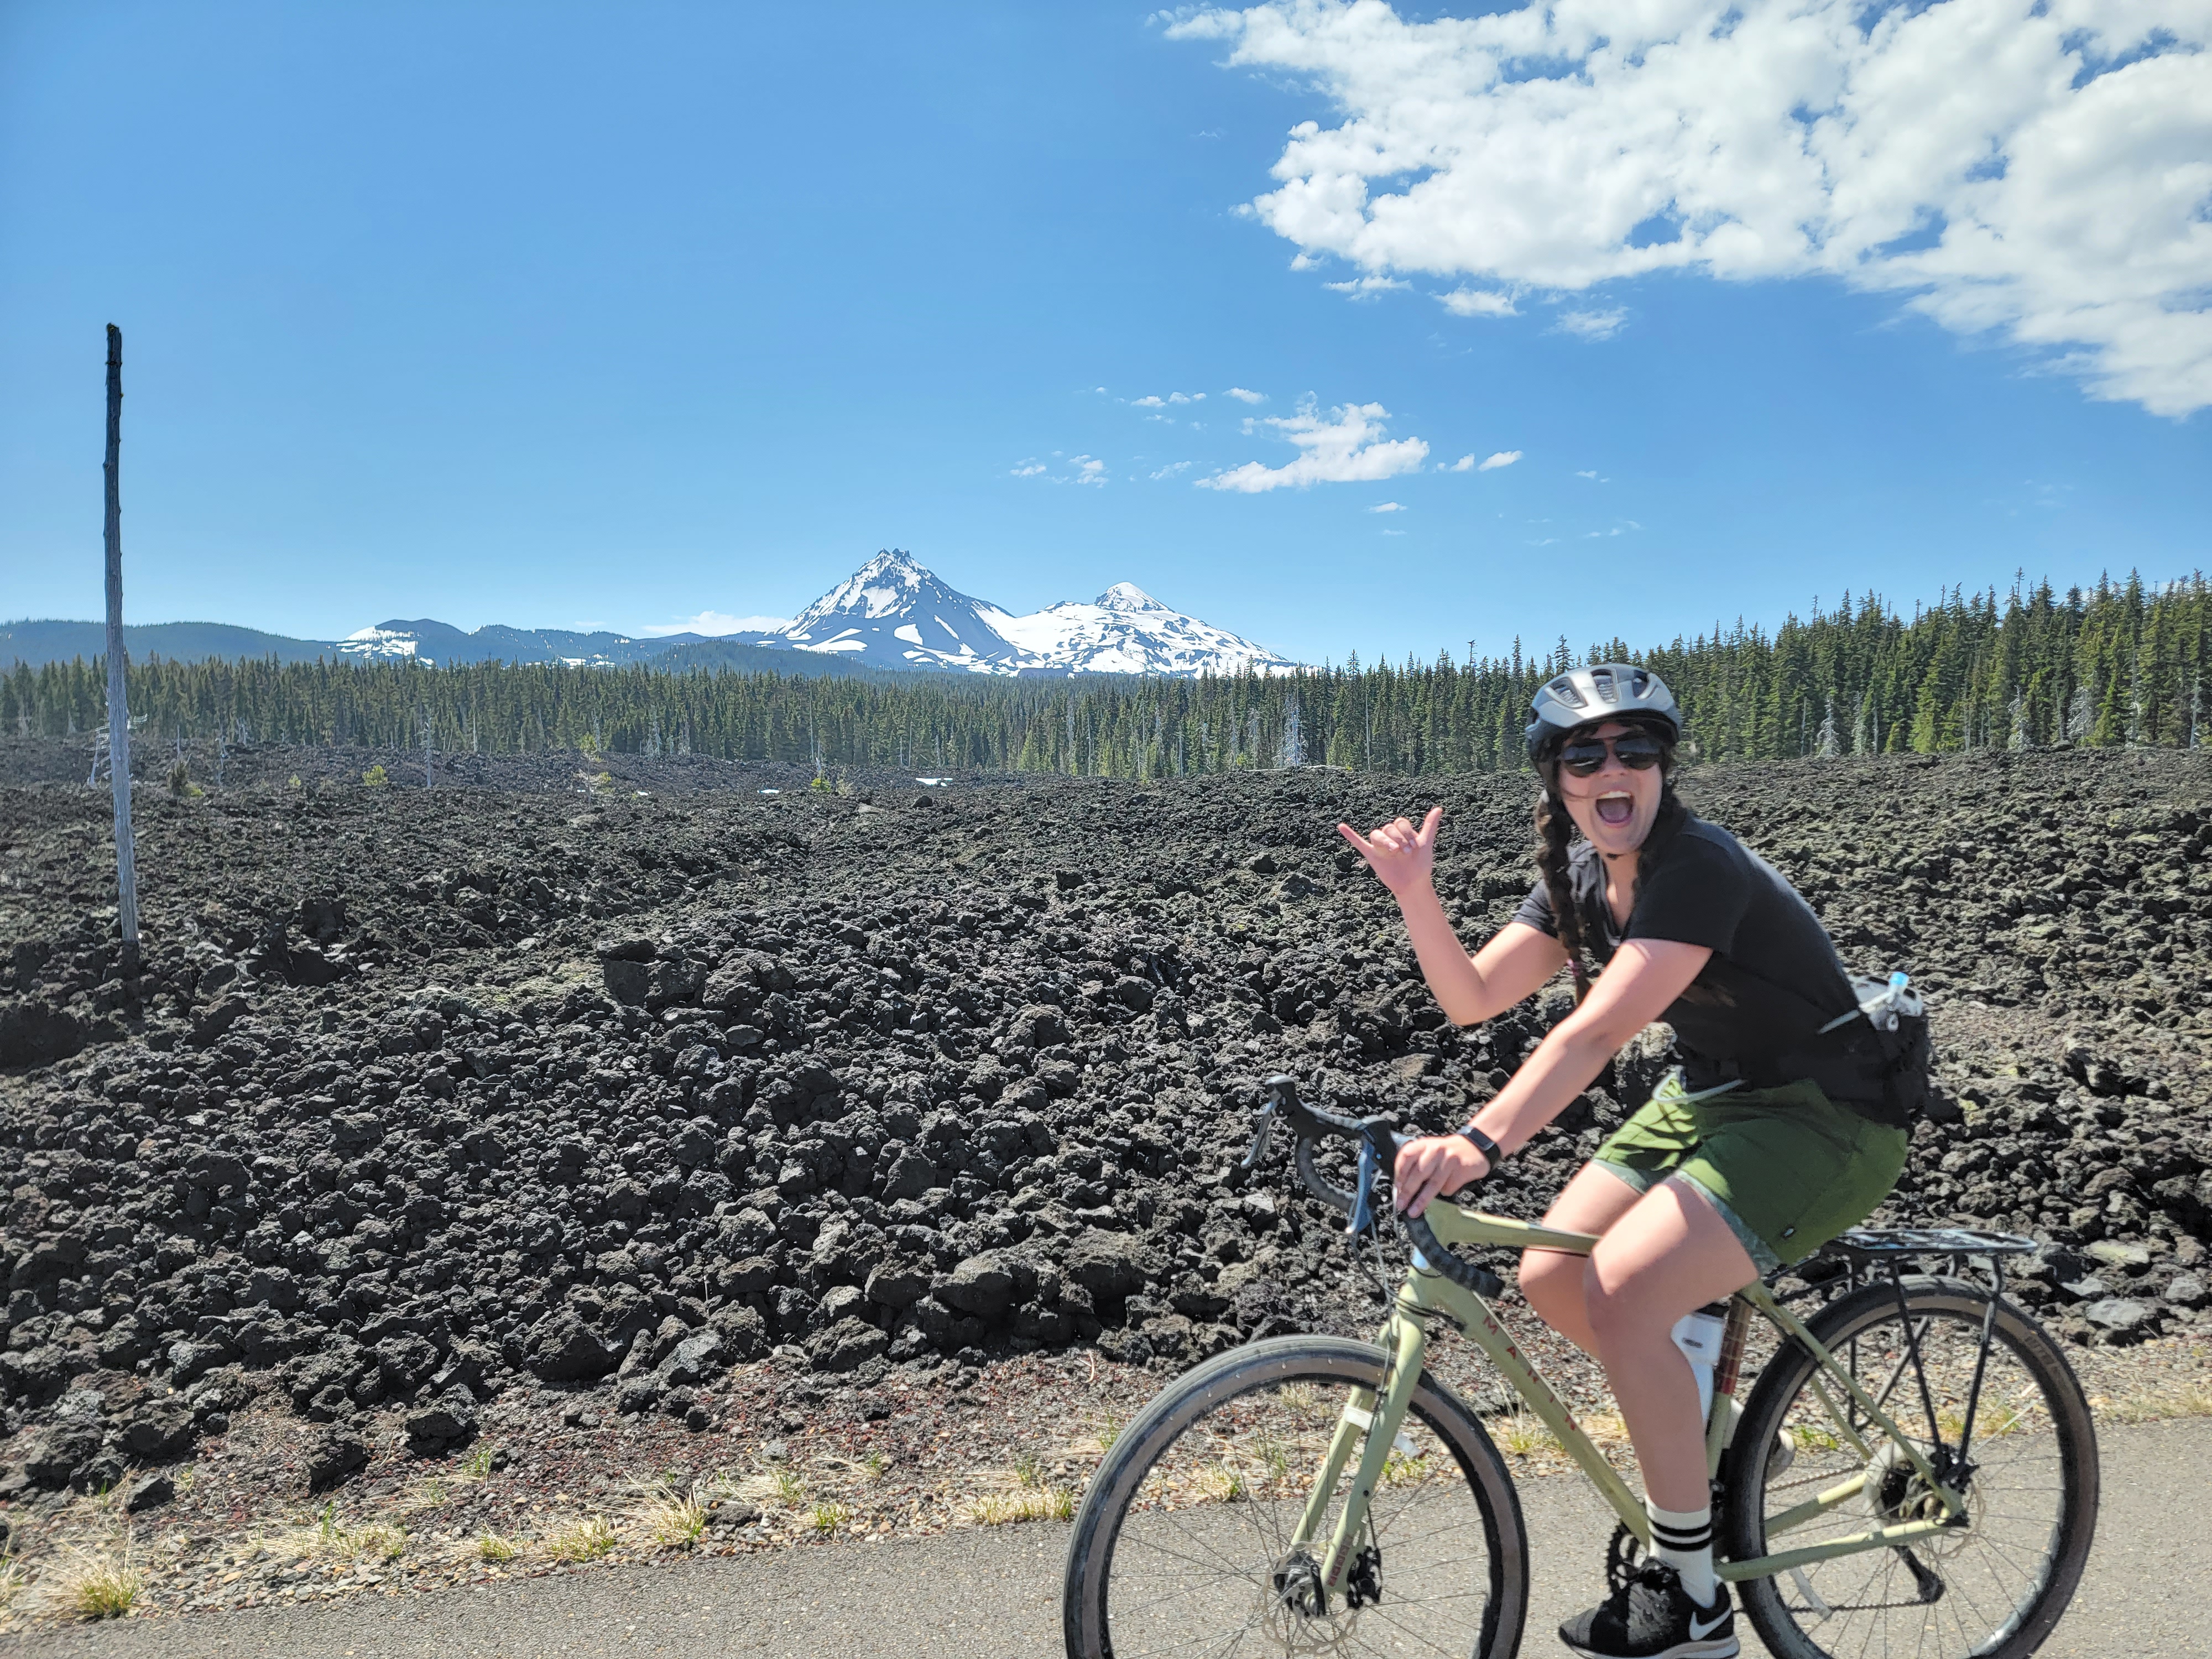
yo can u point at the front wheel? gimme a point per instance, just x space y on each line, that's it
1185 1542
1992 1586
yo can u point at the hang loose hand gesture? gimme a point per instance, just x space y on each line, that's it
1402 857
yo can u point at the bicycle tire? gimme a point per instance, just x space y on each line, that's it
1223 1393
2035 1446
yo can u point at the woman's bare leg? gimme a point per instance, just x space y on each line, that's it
1670 1254
1552 1280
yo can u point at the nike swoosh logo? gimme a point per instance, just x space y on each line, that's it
1700 1629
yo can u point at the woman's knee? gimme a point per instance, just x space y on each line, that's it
1553 1282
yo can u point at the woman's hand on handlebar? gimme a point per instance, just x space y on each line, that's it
1431 1166
1402 857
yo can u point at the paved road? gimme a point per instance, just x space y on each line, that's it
982 1594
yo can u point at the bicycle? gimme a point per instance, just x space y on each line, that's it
1914 1470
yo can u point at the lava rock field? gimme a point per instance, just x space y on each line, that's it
425 1096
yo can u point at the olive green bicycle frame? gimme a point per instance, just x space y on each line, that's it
1369 1423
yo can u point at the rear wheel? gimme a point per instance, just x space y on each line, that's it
1183 1544
1993 1586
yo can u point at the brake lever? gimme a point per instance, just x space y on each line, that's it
1263 1137
1363 1206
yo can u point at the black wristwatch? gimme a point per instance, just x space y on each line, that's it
1483 1144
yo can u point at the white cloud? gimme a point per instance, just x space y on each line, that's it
1389 506
1464 464
1029 469
1348 446
1366 287
1503 458
1593 324
1089 470
1157 402
1244 396
2041 172
1592 476
713 623
1478 302
1171 470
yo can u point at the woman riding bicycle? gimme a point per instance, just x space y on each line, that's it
1783 1136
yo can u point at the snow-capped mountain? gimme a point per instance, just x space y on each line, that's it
896 613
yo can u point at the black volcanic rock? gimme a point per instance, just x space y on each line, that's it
873 1103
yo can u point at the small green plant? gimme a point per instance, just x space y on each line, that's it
382 1542
490 1546
477 1466
180 782
877 1465
11 1581
826 1518
376 777
95 1587
1224 1483
585 1541
1029 1469
1109 1431
790 1490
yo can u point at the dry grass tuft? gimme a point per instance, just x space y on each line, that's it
1521 1435
11 1581
999 1509
490 1546
584 1540
672 1519
92 1587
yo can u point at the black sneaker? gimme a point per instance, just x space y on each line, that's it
1652 1617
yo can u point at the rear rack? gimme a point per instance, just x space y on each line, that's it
1865 1246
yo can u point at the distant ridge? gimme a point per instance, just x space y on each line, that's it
44 641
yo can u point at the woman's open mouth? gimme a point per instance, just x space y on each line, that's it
1616 808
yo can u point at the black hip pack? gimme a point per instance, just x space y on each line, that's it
1875 1059
1891 1050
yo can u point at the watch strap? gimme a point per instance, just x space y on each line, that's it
1483 1144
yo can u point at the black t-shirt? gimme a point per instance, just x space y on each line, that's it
1774 978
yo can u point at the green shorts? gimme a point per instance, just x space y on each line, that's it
1788 1168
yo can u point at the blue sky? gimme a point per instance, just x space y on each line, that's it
566 315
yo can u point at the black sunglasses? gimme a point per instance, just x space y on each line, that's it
1635 750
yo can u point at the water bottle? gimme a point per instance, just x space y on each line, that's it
1698 1336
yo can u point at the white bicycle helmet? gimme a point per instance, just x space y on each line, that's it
1604 691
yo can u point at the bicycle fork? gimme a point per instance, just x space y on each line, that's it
1369 1425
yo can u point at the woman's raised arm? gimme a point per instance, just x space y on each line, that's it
1469 989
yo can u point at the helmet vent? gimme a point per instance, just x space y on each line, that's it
1568 692
1602 679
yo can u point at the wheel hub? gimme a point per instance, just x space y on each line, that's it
1899 1494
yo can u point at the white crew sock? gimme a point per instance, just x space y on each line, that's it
1683 1539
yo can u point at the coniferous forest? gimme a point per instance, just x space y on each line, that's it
2123 664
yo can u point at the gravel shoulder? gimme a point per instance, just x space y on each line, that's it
982 1594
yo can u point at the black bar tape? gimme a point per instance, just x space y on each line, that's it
1465 1274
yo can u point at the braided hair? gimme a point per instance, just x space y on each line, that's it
1555 830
